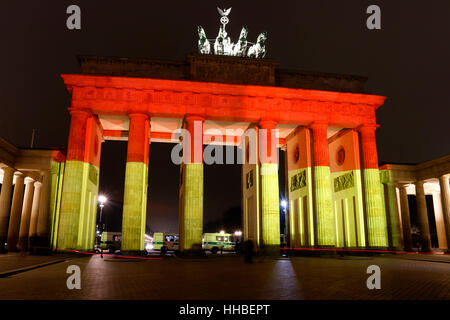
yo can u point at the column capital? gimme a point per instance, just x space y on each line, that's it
402 185
28 180
85 112
138 115
367 127
267 124
7 169
193 117
37 184
419 182
318 125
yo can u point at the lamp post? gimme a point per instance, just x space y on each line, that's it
101 200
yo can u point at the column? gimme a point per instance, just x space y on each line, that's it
191 187
43 222
374 205
423 217
16 212
73 184
393 215
26 214
32 233
406 221
136 184
270 200
445 199
5 204
326 231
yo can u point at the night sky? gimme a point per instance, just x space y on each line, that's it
407 61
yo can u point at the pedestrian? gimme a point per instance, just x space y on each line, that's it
248 251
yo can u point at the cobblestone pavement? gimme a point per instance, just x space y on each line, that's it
17 260
228 277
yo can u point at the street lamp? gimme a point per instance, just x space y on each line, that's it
101 200
284 204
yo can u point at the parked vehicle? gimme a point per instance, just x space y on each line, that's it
109 242
165 241
217 241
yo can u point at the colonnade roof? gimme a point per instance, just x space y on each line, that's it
408 173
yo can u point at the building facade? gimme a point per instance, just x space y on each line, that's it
30 195
337 195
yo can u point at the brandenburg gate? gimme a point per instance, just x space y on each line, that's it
224 95
333 182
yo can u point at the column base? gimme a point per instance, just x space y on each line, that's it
270 251
39 245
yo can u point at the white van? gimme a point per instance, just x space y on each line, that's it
217 241
165 241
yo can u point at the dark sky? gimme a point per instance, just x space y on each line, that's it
407 61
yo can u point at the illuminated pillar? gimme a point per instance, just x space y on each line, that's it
5 204
445 199
270 201
393 215
326 231
34 212
375 211
16 212
76 224
26 214
423 217
136 184
43 221
406 221
73 181
191 188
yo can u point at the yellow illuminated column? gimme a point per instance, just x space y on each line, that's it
392 208
373 195
74 184
326 231
191 188
80 187
136 184
423 217
270 201
5 204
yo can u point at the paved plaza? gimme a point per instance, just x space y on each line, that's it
229 277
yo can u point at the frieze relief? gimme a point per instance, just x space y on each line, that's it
343 182
298 181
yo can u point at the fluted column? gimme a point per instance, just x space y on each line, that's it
270 200
373 196
73 186
423 217
445 199
16 212
5 204
393 215
406 221
136 184
32 233
326 227
191 188
26 214
43 224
